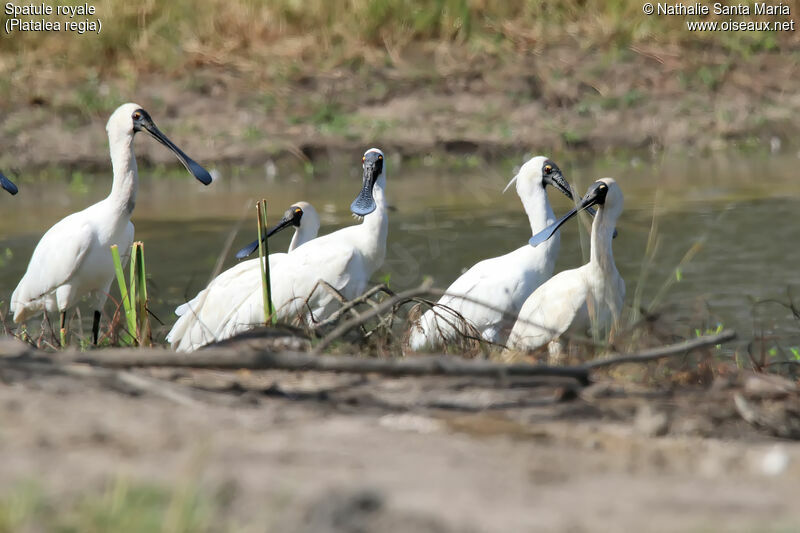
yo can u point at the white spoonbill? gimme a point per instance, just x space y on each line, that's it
73 259
489 295
225 307
575 300
7 184
345 259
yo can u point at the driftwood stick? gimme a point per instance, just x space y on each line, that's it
652 354
229 359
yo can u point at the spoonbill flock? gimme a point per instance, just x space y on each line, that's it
513 300
487 297
232 302
343 260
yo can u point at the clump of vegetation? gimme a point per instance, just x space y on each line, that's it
123 507
183 34
134 297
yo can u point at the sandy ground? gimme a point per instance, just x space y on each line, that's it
337 452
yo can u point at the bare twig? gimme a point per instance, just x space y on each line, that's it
344 327
335 294
663 351
348 305
226 247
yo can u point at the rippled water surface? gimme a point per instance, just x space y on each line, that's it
741 211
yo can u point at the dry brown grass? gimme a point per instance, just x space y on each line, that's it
268 37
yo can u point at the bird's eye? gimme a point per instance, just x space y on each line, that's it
137 115
298 211
380 157
548 169
364 159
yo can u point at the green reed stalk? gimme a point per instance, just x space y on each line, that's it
127 337
132 288
139 303
263 257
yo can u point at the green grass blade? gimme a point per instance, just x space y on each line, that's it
143 322
267 276
132 287
127 337
264 295
263 257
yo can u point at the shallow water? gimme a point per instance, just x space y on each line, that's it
741 209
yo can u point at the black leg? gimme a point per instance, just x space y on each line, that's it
63 319
95 327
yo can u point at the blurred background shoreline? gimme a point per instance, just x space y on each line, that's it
249 83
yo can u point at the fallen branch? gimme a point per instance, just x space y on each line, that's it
233 359
663 351
230 359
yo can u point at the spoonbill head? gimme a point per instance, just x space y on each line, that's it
129 119
302 216
598 194
72 260
538 172
372 165
7 184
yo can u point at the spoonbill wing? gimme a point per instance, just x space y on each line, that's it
540 319
55 260
299 276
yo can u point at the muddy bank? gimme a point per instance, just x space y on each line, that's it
658 99
309 451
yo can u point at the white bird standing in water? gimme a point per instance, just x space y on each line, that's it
501 283
345 259
7 184
225 307
575 300
73 259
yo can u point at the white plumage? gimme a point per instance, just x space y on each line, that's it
489 295
73 259
587 297
345 259
232 302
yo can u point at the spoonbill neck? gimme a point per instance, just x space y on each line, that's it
376 224
126 175
302 235
537 207
602 254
